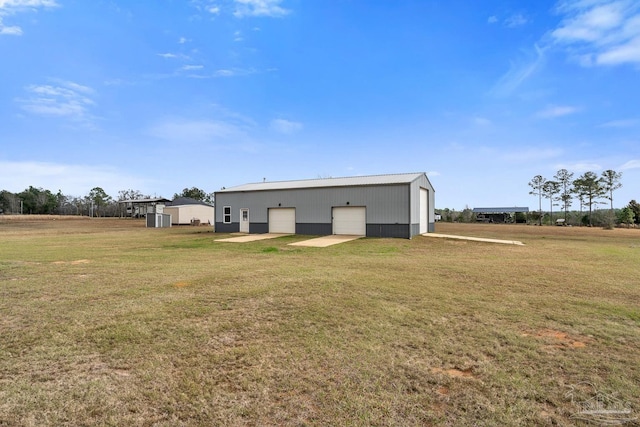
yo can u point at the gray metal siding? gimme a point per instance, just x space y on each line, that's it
317 229
389 230
386 204
221 227
258 228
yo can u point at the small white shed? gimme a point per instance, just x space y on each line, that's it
185 210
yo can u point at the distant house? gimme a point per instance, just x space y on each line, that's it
398 205
185 210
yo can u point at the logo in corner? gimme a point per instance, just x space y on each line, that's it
595 406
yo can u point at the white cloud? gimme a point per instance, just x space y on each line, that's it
77 87
481 121
580 167
192 67
22 4
624 123
76 180
513 21
182 40
270 8
285 126
601 32
589 22
11 7
213 9
9 31
62 99
234 72
532 155
516 20
519 73
624 53
592 32
195 131
172 56
225 73
554 111
631 164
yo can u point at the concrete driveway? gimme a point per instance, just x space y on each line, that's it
475 239
252 237
324 241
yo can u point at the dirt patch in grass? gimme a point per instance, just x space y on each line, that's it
76 262
454 372
558 339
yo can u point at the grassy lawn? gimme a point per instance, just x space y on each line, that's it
106 322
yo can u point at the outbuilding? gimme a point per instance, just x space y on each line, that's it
139 208
185 210
502 215
397 205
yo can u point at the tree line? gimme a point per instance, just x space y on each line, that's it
96 203
589 190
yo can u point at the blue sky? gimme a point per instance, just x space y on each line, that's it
163 95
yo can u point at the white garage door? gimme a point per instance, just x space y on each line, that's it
351 220
282 220
424 210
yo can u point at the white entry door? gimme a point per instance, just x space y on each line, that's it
244 220
350 220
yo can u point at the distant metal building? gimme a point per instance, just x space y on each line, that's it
501 215
138 208
398 205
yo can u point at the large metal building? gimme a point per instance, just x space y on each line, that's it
398 205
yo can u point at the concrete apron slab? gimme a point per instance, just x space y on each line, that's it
475 239
252 237
324 241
